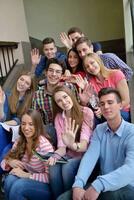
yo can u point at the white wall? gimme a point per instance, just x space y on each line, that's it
99 19
13 25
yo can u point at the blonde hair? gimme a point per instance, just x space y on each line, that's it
105 72
76 110
14 98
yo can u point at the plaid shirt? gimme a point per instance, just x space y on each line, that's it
42 101
112 61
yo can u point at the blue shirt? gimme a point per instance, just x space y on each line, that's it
43 61
116 154
112 61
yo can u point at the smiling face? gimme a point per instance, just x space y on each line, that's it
27 126
54 73
50 50
23 84
63 100
91 66
83 49
75 36
110 107
73 59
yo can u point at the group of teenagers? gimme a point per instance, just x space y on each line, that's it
78 116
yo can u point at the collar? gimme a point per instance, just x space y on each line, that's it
119 131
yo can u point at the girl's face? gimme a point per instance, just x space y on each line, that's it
27 126
23 83
73 59
63 100
91 66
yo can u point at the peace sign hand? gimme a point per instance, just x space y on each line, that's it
69 133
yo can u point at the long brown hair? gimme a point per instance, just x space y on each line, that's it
13 99
76 110
21 147
103 70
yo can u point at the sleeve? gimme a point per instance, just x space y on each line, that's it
114 62
3 164
59 126
90 158
45 147
87 125
62 58
41 66
34 101
117 76
96 46
120 177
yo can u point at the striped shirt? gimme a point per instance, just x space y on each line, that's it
38 169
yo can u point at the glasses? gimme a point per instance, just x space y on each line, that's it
52 71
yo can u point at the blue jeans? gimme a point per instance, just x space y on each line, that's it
22 188
125 193
62 176
52 133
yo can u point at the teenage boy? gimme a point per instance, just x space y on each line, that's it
42 99
73 35
110 60
50 51
111 144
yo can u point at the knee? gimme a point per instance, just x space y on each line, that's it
9 181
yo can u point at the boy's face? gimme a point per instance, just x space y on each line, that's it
75 36
54 73
50 50
109 106
83 49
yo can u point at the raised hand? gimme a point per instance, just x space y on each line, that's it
86 94
81 82
35 57
69 133
67 42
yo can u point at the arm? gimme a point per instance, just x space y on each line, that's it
34 101
86 130
121 176
88 162
114 62
97 47
122 87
